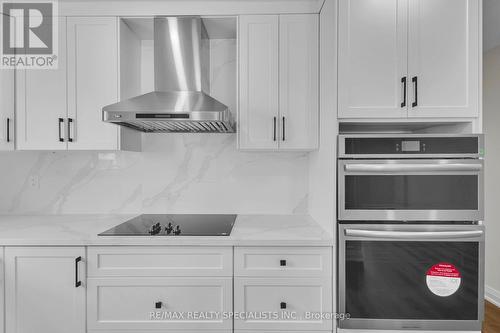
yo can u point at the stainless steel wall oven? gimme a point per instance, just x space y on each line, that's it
410 178
410 236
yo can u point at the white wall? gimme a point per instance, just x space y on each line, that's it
491 109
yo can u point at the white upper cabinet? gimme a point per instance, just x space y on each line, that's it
7 104
258 112
444 58
92 81
41 103
62 109
7 109
372 58
298 82
278 82
45 290
408 58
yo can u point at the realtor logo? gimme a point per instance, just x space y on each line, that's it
29 35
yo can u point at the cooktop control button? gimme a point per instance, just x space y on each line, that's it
177 230
155 229
169 228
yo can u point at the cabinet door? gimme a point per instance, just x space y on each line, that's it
372 58
7 104
258 112
92 81
444 57
7 110
41 103
281 296
40 290
299 80
120 304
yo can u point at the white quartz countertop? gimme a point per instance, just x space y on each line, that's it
81 230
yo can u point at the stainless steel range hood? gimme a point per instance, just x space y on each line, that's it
178 103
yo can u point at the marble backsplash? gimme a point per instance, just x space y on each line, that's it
175 173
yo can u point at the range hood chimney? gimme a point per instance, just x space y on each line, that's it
178 103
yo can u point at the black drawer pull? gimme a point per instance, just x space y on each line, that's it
78 283
282 262
158 305
282 305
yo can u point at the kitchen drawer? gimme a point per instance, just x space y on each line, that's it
261 331
175 331
283 261
300 295
128 303
159 261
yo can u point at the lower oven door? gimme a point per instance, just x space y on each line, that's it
411 277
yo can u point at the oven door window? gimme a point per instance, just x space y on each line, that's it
388 280
411 192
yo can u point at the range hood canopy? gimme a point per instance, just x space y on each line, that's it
178 103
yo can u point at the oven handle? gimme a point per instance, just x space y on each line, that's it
413 234
475 167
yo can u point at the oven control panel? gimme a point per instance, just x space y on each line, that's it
380 146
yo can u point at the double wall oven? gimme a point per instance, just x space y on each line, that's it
410 236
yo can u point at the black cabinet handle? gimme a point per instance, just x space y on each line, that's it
70 121
282 262
282 305
283 123
158 305
61 139
415 86
78 283
274 124
8 129
403 81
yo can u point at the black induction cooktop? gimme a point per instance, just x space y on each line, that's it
175 225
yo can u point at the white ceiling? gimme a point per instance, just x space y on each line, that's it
491 23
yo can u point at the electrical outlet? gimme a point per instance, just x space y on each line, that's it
35 181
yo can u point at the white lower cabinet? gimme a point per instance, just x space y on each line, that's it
291 303
283 262
185 288
292 286
158 303
156 289
153 261
44 289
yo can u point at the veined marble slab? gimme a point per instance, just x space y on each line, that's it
82 230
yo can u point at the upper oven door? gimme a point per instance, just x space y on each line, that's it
410 190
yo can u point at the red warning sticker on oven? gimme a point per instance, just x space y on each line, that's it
443 279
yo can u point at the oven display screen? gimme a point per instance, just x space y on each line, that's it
410 146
